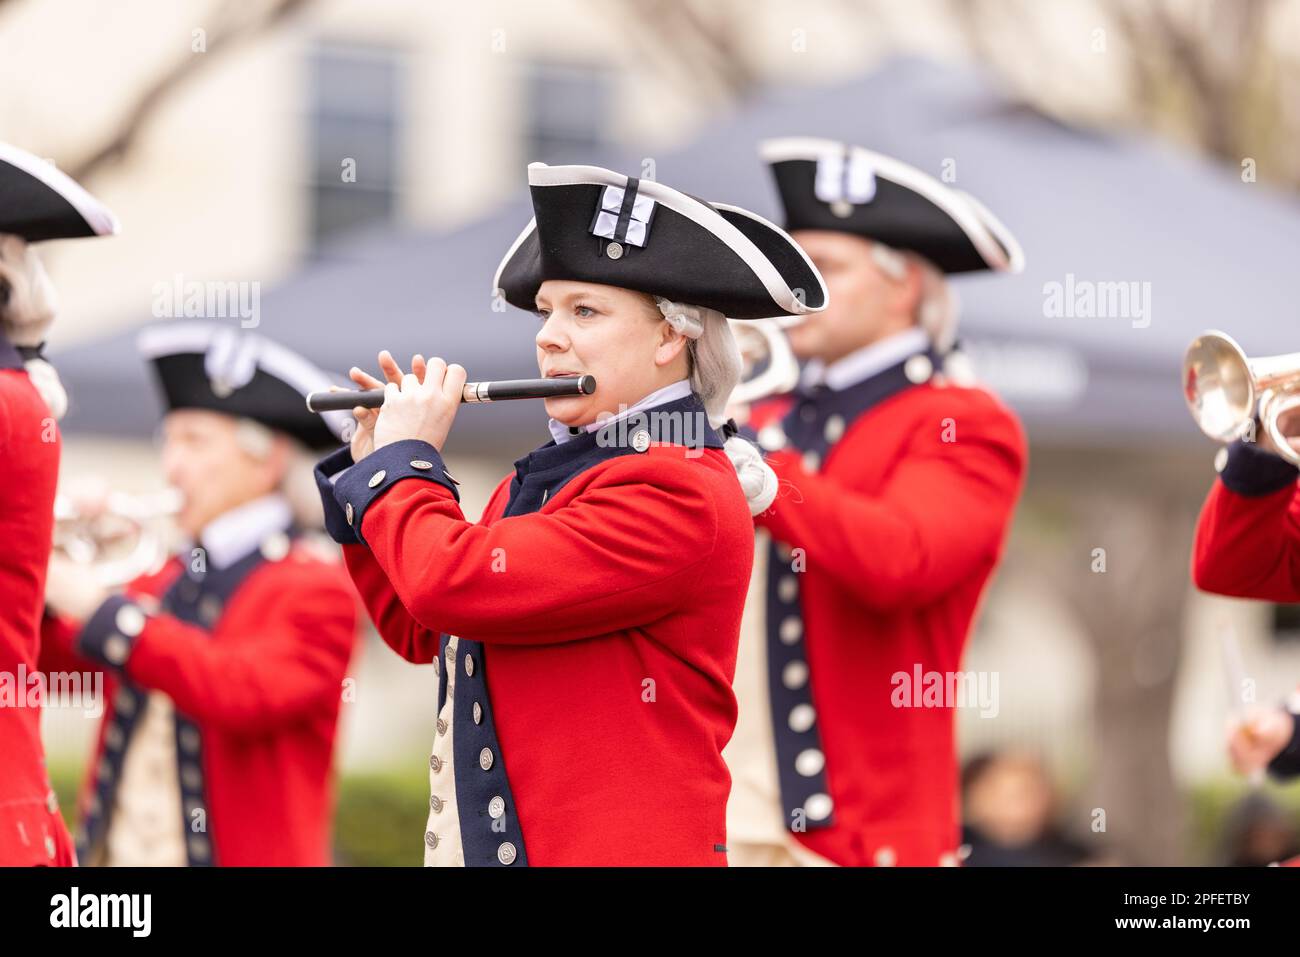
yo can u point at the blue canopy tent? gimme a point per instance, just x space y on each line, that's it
1163 243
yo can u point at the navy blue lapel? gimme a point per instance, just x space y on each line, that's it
544 471
198 597
10 358
813 425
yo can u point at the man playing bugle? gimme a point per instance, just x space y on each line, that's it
224 668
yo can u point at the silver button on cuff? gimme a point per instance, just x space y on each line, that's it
347 512
116 649
421 464
377 478
641 440
129 620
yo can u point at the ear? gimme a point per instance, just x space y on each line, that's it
910 288
671 344
278 459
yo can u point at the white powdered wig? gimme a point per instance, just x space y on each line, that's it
28 314
716 368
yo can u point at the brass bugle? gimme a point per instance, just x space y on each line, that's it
498 391
1225 390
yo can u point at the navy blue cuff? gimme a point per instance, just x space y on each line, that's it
1250 470
336 522
1287 763
358 488
109 635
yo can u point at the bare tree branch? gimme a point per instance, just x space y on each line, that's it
227 33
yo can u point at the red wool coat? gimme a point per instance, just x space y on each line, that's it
263 689
901 527
608 619
1248 537
31 830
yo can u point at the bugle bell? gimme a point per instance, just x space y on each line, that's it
1225 390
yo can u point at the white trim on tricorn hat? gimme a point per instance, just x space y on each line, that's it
768 290
778 231
232 357
92 218
989 239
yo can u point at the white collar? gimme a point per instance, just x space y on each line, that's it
236 533
862 364
677 390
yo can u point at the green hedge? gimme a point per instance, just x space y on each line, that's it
379 821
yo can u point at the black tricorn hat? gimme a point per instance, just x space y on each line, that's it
38 201
829 185
595 225
222 368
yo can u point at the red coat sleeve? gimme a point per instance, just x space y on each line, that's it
58 647
292 667
626 549
1249 546
939 518
400 631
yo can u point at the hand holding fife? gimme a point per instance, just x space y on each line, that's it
1257 740
421 404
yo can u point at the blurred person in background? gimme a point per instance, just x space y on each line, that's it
584 630
225 668
1010 810
37 203
898 478
1257 832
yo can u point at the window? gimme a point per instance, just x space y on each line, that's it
355 95
567 110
